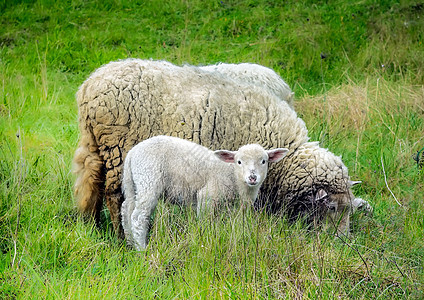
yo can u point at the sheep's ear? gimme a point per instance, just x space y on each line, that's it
277 154
225 155
320 195
352 183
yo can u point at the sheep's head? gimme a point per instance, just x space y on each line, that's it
335 207
320 204
251 162
313 183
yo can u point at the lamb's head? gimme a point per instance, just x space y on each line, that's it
251 162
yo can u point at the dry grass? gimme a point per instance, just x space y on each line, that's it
354 110
352 106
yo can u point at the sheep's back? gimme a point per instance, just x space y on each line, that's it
128 101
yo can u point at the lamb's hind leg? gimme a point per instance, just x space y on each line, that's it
128 205
126 212
145 204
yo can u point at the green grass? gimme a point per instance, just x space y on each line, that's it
364 100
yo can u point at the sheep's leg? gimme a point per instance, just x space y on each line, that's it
202 201
89 167
128 188
145 204
114 201
206 200
148 186
113 194
129 203
127 209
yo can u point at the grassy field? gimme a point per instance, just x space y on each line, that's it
358 71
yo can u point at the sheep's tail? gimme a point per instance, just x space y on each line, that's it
88 165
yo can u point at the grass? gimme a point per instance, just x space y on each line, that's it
364 100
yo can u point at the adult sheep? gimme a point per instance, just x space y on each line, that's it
125 102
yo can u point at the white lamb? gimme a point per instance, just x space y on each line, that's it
183 170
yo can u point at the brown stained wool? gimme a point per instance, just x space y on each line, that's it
125 102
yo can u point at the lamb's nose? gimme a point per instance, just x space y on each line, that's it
252 178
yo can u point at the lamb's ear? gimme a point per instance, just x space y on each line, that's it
225 155
277 154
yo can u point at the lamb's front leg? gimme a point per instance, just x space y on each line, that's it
210 198
205 200
202 202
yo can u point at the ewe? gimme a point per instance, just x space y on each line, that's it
183 170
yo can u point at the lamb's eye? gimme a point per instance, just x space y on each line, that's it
263 161
239 162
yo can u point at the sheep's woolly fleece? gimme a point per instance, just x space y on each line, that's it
254 74
125 102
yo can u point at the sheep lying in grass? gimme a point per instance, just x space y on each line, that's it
126 102
258 75
184 170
